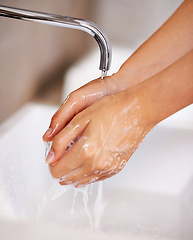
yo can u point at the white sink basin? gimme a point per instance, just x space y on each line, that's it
151 197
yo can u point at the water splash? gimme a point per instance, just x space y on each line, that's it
96 211
99 206
48 147
91 197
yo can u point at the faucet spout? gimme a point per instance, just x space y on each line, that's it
67 22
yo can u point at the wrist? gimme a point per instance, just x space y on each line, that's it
135 70
149 99
168 91
138 101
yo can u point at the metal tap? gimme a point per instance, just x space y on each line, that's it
67 22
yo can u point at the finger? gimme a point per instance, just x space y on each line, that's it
112 171
75 103
74 176
71 160
106 176
87 180
97 177
66 138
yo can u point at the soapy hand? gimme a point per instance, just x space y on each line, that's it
102 138
80 99
100 125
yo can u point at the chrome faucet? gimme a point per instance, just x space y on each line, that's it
68 22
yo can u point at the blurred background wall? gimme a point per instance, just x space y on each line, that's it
33 55
131 22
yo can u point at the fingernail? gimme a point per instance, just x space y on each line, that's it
48 132
50 157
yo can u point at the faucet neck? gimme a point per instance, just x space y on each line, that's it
67 22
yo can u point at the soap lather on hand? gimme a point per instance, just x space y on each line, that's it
99 126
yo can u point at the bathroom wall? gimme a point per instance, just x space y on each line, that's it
31 54
129 23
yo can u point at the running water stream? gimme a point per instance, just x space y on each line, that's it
91 197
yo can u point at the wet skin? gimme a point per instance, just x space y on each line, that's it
106 120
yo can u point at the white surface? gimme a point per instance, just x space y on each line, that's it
52 231
130 23
153 195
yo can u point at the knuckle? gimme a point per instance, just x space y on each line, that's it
74 101
103 167
99 166
72 96
88 150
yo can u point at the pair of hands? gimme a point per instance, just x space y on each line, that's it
95 132
99 126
